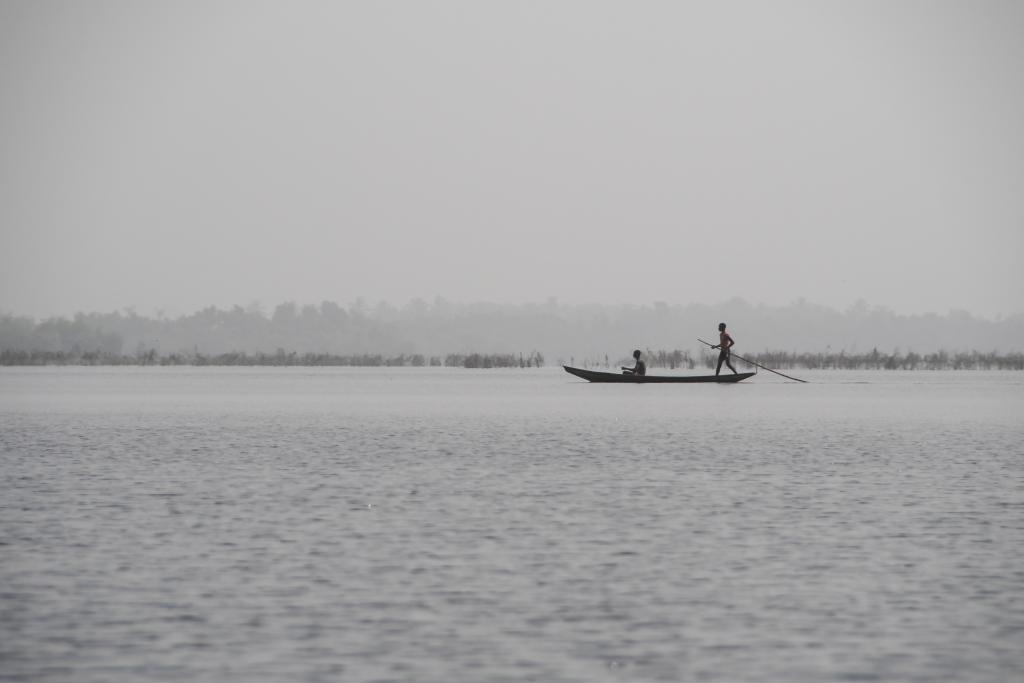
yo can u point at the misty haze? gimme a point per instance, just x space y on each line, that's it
175 156
458 342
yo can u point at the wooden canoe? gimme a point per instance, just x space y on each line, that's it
594 376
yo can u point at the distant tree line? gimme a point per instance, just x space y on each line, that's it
560 332
875 360
494 360
279 359
675 359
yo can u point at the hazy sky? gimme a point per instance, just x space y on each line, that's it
174 155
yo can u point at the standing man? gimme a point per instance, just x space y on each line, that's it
725 342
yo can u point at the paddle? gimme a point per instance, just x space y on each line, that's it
758 364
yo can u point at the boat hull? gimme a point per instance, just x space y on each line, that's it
593 376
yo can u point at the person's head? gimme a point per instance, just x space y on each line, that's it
636 354
721 327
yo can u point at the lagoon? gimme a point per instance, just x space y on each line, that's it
440 524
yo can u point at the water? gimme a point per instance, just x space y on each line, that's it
450 525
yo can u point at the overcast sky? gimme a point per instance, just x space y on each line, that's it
175 155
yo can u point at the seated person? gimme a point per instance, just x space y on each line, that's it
639 369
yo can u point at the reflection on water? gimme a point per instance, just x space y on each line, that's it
451 525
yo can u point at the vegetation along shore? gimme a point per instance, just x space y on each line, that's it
676 359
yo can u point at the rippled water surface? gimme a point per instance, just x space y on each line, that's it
429 525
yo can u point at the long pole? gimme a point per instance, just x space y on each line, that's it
757 364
